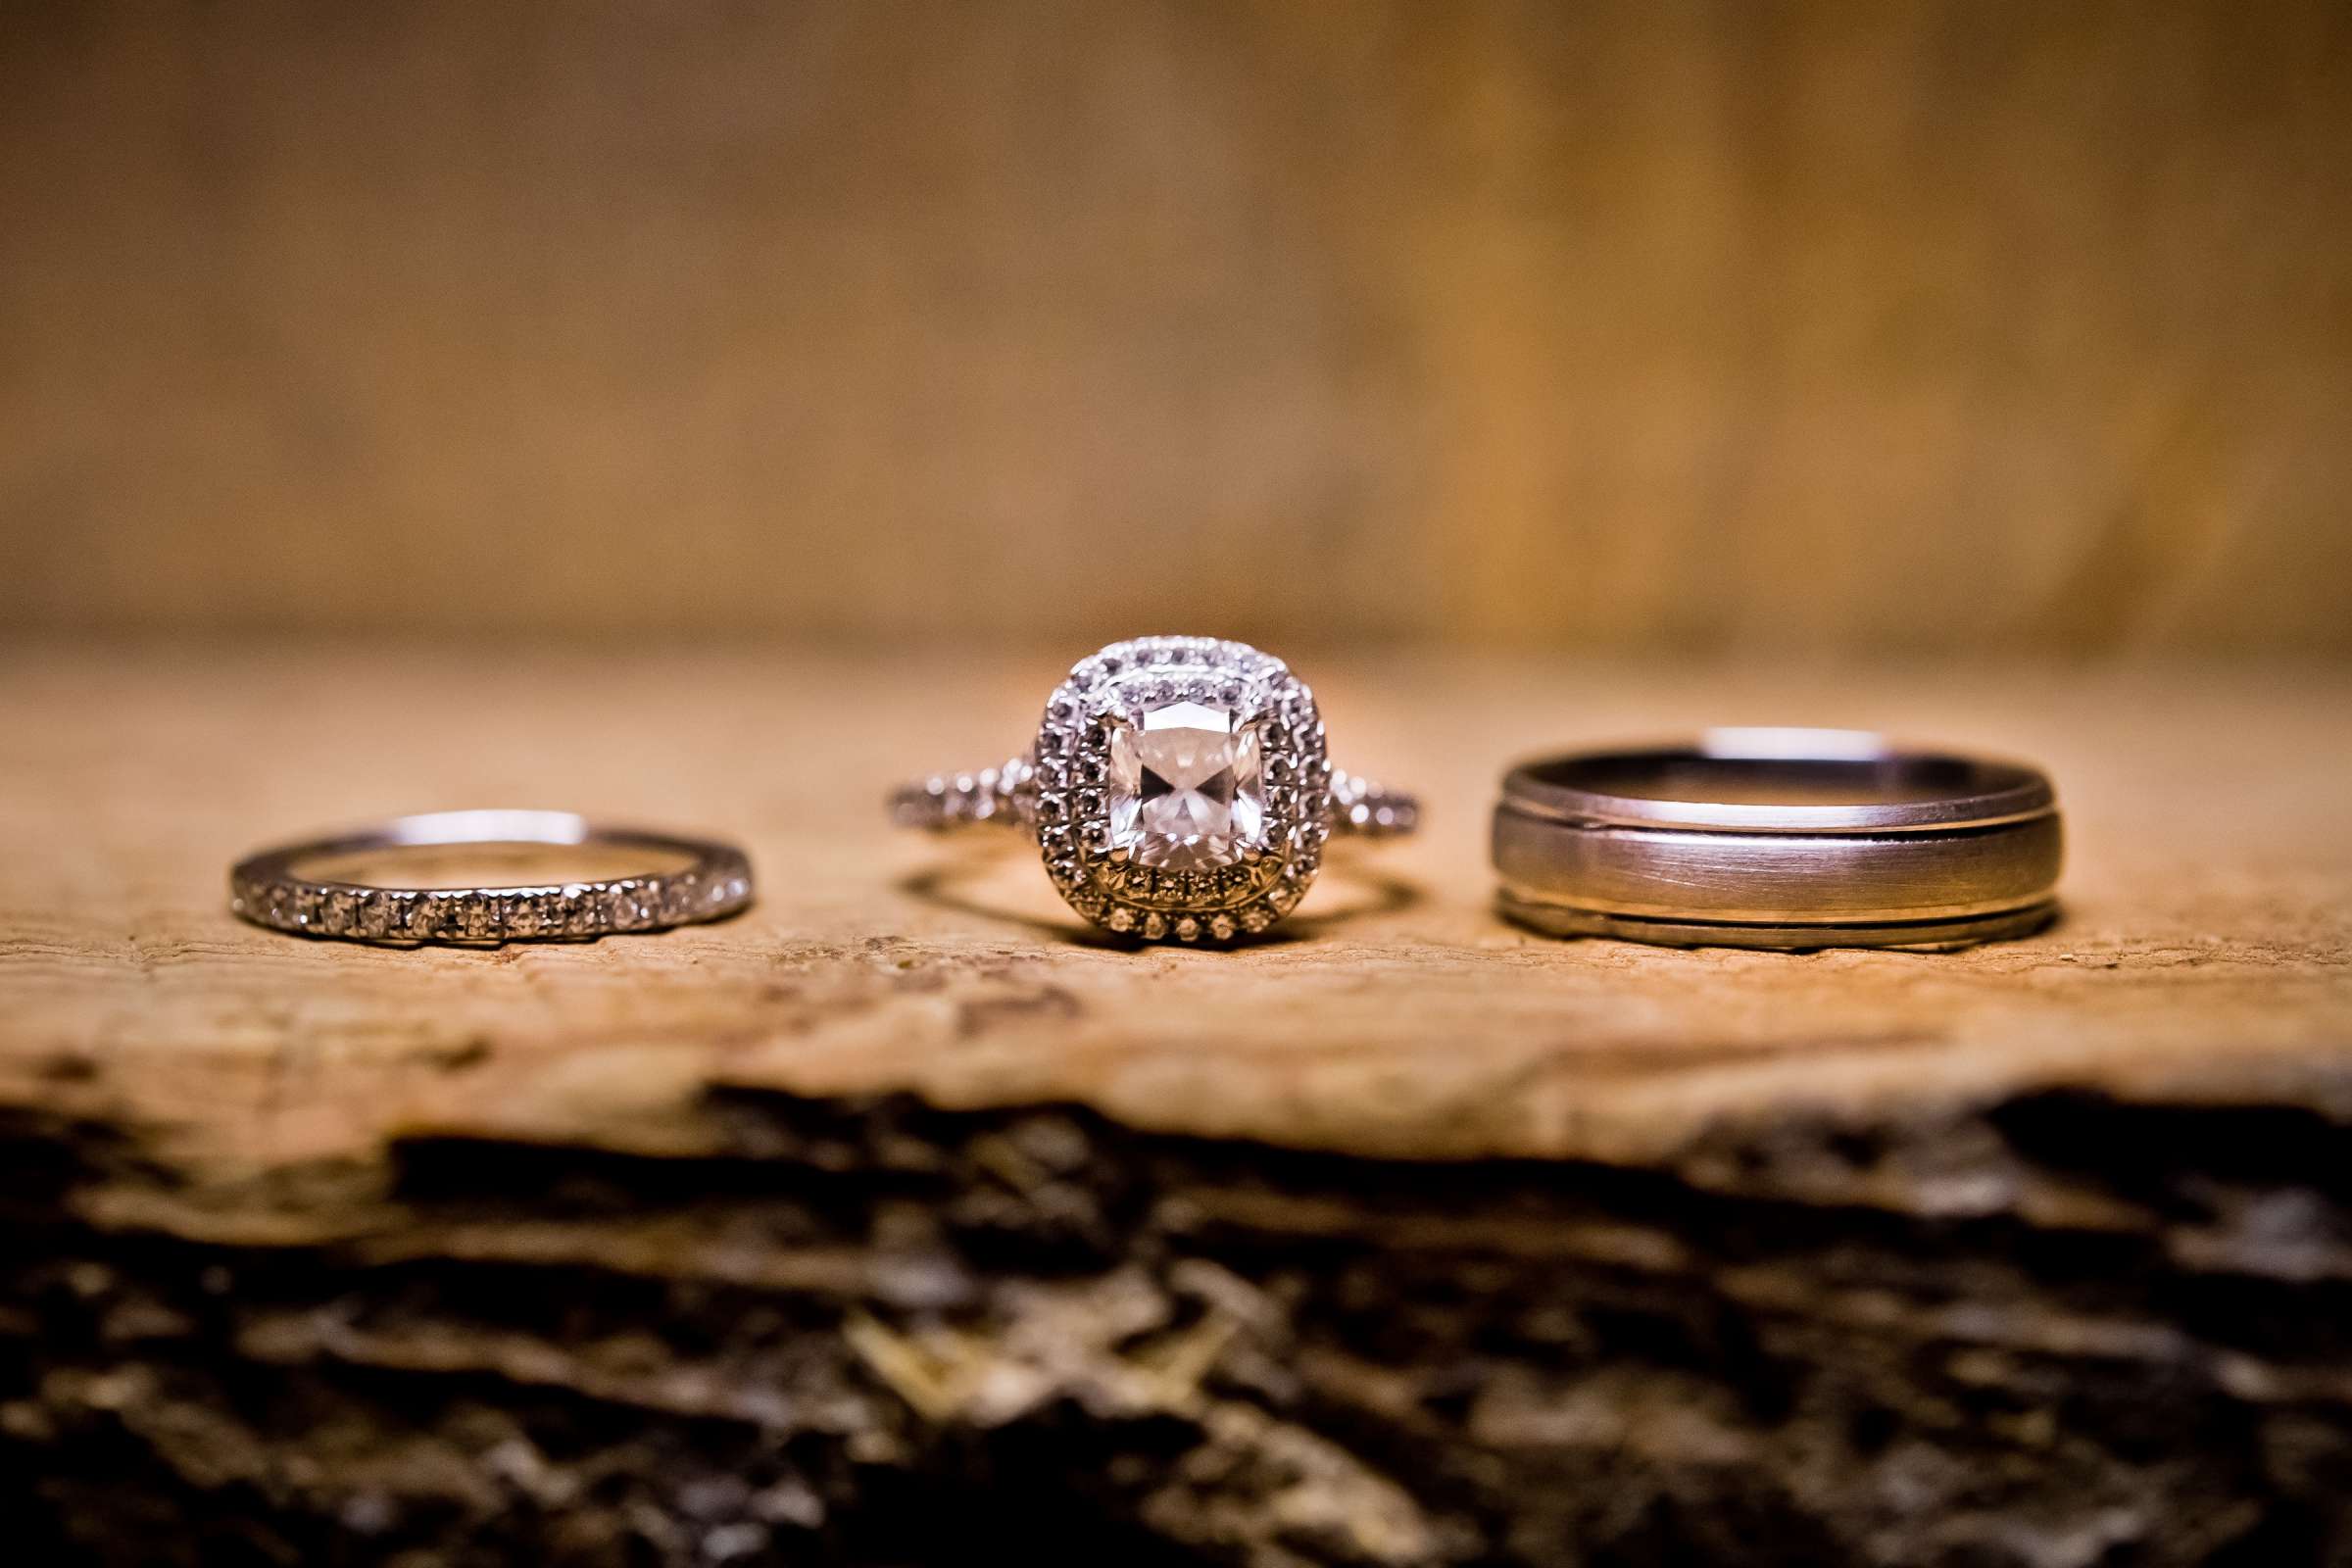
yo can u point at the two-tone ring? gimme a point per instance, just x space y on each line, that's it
1779 838
1178 789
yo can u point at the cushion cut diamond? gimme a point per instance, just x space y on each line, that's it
1186 791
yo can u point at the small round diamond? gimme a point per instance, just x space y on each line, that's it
583 911
625 907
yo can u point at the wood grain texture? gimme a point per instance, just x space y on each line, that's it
1701 326
897 1209
2207 932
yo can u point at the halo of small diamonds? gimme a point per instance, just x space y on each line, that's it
1252 875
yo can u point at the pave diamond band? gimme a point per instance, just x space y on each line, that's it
945 802
702 880
1366 810
1178 789
994 797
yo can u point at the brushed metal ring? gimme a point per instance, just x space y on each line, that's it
1779 838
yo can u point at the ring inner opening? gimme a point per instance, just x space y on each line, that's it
1774 781
488 865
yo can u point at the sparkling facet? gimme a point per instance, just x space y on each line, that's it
625 905
583 911
1185 789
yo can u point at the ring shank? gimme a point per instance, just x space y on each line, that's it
1850 844
1677 874
1001 796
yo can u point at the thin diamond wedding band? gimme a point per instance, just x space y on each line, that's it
1178 790
713 880
1779 838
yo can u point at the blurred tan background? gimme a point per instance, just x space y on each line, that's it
1812 328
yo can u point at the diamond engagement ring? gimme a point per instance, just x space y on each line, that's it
331 887
1177 790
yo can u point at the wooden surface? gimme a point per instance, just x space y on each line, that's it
645 1250
1698 326
2209 915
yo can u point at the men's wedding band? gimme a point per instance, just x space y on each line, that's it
702 880
1779 838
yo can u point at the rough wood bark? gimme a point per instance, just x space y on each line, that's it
893 1217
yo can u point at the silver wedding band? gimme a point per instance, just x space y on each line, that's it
1789 839
710 880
